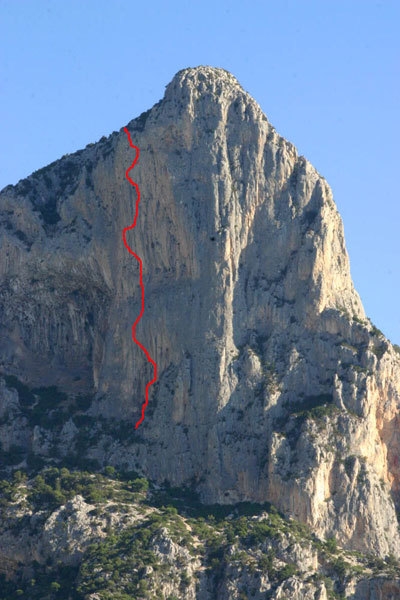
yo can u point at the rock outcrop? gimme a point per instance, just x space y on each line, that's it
273 385
119 544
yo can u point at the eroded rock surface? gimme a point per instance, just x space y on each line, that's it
273 385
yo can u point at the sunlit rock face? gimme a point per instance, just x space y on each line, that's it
272 384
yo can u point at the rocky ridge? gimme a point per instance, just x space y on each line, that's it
273 385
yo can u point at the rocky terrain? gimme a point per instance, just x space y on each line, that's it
273 385
97 536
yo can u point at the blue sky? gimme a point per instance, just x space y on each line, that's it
326 73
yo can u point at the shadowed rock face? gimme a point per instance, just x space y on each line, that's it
272 383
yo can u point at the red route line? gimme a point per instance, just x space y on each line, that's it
135 185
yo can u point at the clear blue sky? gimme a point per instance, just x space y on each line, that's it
326 73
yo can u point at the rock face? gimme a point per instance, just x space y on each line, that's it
272 383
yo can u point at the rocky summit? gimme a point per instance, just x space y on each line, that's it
274 389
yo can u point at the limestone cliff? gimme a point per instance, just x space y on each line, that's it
273 385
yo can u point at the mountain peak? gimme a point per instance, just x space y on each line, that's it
205 75
272 385
204 81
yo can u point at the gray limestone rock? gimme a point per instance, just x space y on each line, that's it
272 384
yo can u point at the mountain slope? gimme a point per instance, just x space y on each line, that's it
84 537
273 385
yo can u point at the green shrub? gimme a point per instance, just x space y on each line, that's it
266 562
110 471
331 544
140 485
55 586
287 571
260 531
340 567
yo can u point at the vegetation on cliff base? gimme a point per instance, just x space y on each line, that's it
174 542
